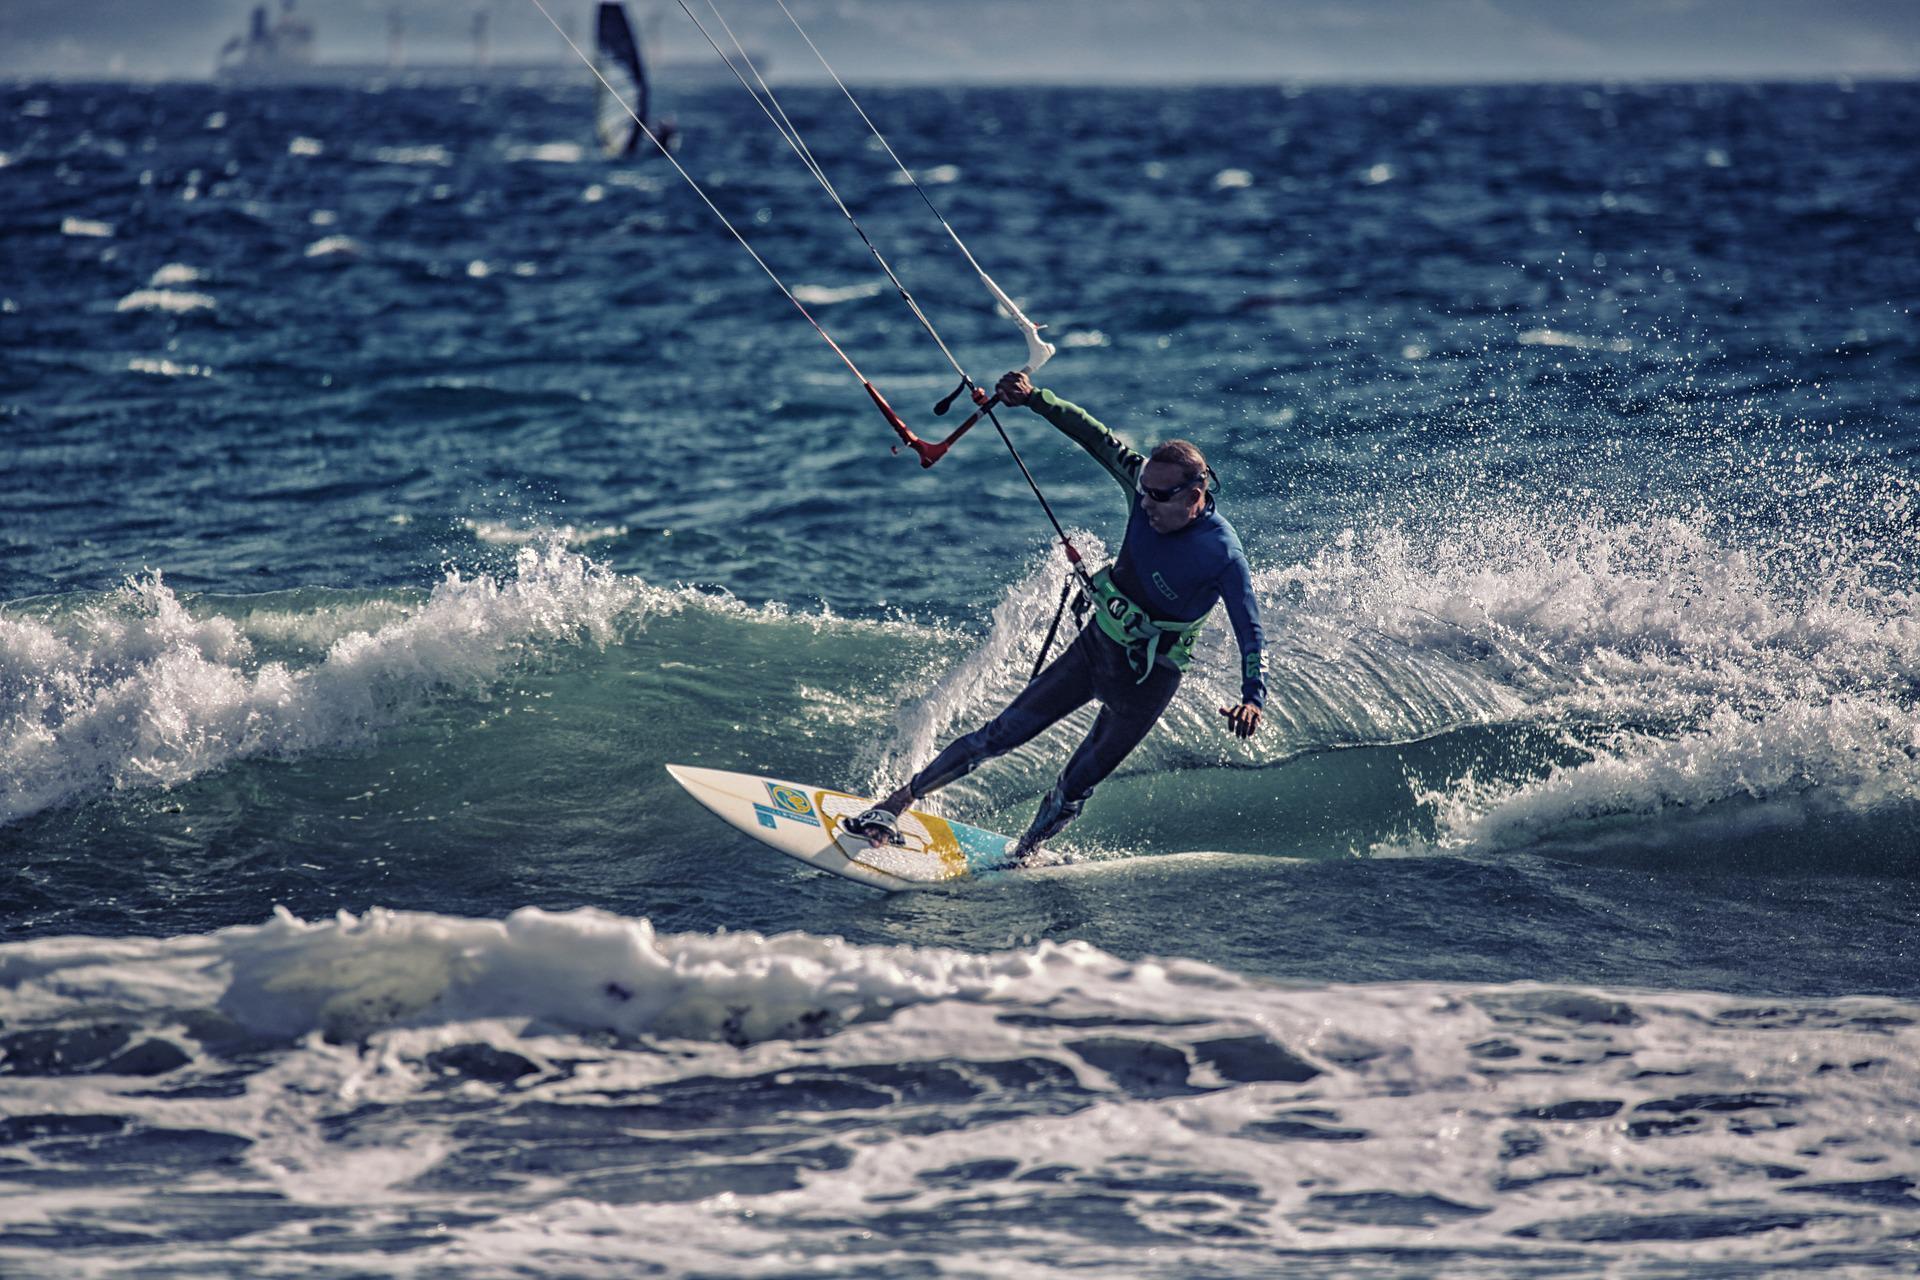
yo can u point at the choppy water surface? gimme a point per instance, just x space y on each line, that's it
391 487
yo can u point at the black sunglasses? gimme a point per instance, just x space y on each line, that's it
1164 495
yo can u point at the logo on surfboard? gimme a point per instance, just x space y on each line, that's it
790 803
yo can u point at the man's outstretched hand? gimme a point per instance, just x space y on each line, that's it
1243 719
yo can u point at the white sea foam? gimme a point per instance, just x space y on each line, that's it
430 154
822 295
548 153
502 534
304 146
174 273
587 971
168 368
1574 341
85 227
317 627
177 301
138 691
335 247
142 689
1806 759
937 176
390 1058
1708 679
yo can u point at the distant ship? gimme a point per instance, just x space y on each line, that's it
280 52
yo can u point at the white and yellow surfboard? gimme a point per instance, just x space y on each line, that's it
803 822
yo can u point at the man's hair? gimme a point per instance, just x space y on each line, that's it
1184 454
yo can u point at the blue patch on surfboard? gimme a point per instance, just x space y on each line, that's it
985 850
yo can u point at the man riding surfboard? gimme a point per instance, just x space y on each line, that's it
1178 559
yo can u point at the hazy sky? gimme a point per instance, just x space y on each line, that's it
1080 40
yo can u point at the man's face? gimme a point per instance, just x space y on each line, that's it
1171 497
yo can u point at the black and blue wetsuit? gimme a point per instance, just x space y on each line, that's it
1173 578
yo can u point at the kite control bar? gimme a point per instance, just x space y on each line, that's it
927 451
1038 353
930 452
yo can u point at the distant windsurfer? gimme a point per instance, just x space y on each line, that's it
1178 559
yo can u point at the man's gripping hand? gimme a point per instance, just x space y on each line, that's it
1014 388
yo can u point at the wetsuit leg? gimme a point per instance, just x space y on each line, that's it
1061 688
1130 710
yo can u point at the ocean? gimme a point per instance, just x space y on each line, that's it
391 486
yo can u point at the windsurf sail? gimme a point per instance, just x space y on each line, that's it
622 99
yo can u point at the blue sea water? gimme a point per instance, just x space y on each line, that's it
391 487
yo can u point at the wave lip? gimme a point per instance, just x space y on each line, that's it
176 301
1842 757
586 970
137 691
335 246
1679 672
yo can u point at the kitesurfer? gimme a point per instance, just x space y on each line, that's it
1179 557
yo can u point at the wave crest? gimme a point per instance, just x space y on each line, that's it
135 690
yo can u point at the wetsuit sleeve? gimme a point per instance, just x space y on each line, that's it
1087 431
1243 610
